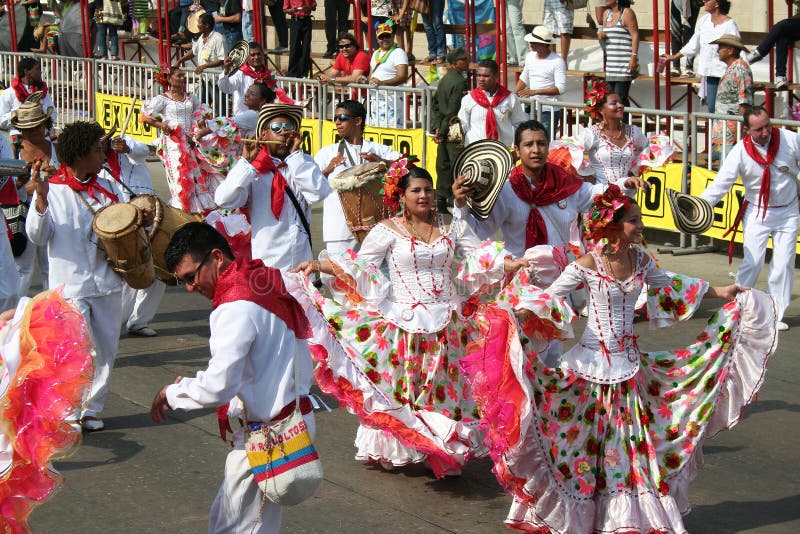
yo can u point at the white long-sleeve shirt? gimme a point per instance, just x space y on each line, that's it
281 243
237 85
508 113
544 73
75 256
783 173
133 169
252 358
699 45
9 102
334 223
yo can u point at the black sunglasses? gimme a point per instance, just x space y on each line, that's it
191 279
350 45
343 117
385 36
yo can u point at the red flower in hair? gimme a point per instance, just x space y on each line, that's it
601 214
596 95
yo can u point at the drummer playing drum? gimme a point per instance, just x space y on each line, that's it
353 149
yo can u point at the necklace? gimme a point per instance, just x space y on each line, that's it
614 275
413 229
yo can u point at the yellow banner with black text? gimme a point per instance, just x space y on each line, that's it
112 111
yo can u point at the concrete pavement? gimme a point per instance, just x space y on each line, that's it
137 477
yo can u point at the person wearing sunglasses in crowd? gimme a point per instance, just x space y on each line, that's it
350 65
350 118
278 183
389 66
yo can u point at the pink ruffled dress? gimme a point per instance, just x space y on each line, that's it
46 371
610 439
388 345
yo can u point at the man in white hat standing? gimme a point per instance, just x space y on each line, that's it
735 90
768 161
278 184
544 75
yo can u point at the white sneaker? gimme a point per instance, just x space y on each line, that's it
753 57
144 331
780 82
782 327
91 423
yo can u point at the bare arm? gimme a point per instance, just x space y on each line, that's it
630 22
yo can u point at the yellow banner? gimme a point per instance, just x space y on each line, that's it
111 113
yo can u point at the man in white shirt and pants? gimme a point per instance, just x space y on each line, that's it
768 162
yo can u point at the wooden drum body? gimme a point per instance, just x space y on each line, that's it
360 190
163 221
119 228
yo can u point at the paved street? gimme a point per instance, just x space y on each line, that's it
137 477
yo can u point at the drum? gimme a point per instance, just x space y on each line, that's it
360 189
162 221
119 227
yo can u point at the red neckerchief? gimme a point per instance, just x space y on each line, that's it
22 93
772 151
255 74
8 191
112 158
91 186
251 280
264 164
480 98
555 184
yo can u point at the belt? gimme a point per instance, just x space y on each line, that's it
305 408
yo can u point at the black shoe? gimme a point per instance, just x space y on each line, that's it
329 55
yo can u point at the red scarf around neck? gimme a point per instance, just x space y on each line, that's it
8 191
555 184
22 93
480 98
264 164
251 280
772 151
112 159
63 176
257 75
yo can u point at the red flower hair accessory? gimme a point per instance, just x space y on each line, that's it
391 184
596 95
162 76
599 219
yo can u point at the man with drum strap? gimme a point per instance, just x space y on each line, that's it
768 161
350 118
64 208
278 184
27 81
127 164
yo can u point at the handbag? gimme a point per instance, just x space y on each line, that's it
15 218
455 134
423 7
282 457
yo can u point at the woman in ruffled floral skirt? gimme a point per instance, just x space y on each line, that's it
609 440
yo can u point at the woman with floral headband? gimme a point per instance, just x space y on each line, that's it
613 147
388 343
192 179
609 440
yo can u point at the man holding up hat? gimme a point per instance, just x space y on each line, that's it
278 184
545 74
444 108
735 90
768 161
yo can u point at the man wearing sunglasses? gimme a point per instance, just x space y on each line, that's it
352 149
278 184
258 333
350 65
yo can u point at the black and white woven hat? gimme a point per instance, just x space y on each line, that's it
270 111
238 55
692 215
486 164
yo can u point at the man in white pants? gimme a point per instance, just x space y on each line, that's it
127 164
768 162
258 335
350 118
61 218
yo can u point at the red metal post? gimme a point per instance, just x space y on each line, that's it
500 39
770 23
468 31
656 84
357 23
258 23
12 24
86 29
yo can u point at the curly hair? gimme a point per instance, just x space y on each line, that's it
77 139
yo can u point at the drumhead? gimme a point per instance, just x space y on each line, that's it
114 219
151 208
357 176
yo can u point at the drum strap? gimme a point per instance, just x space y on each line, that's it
343 150
85 202
299 210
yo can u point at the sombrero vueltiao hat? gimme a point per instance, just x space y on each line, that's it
239 54
193 21
486 164
692 215
270 111
30 113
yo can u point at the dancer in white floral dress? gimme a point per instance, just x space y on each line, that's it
388 346
610 439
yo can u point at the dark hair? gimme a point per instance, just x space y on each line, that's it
414 172
255 44
25 64
77 139
196 239
350 37
619 214
354 108
724 6
267 93
532 125
622 4
489 64
753 110
207 19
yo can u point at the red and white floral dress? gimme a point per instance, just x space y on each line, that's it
389 343
609 440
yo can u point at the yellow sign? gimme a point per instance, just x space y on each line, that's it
309 129
111 113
